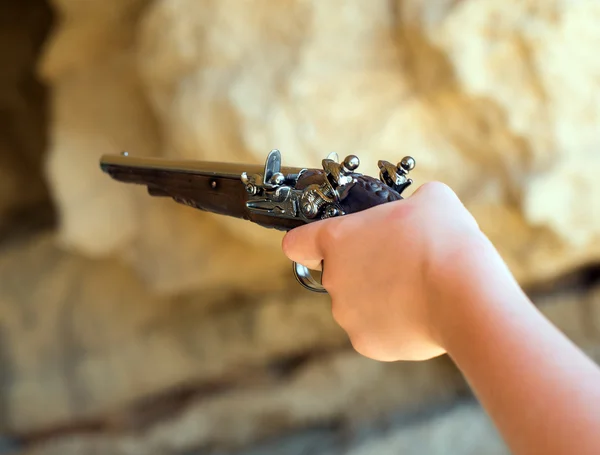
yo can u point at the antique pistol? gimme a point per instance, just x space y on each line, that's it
272 196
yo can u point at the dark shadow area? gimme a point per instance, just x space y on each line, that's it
25 202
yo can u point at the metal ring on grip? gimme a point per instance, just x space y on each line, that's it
305 278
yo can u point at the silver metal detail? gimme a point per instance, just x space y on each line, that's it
274 193
272 167
314 198
337 174
408 163
305 278
277 179
351 163
396 177
331 211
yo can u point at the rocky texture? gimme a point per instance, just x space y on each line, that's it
80 332
23 120
462 430
79 340
99 106
526 59
495 98
148 327
148 374
449 432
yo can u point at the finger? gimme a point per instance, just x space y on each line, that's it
444 200
434 190
302 245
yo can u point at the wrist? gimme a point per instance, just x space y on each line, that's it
470 280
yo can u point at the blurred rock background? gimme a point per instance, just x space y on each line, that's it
134 325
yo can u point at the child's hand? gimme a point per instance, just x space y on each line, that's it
385 267
412 279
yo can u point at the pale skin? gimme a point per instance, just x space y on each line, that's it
415 279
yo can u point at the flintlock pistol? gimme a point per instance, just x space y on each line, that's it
272 196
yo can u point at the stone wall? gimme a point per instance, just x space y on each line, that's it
135 325
496 98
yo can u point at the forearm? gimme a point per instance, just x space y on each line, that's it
541 391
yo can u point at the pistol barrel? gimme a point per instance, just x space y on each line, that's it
207 168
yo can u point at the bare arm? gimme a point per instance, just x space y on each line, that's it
541 391
423 280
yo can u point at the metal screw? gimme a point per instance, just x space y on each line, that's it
407 164
351 162
278 178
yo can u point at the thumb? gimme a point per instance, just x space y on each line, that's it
302 244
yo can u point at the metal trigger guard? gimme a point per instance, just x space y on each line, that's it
305 278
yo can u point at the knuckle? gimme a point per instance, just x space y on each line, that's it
331 234
398 211
438 190
437 198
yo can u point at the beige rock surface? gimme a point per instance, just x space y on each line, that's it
85 338
88 340
495 98
527 57
79 334
99 106
335 388
463 430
